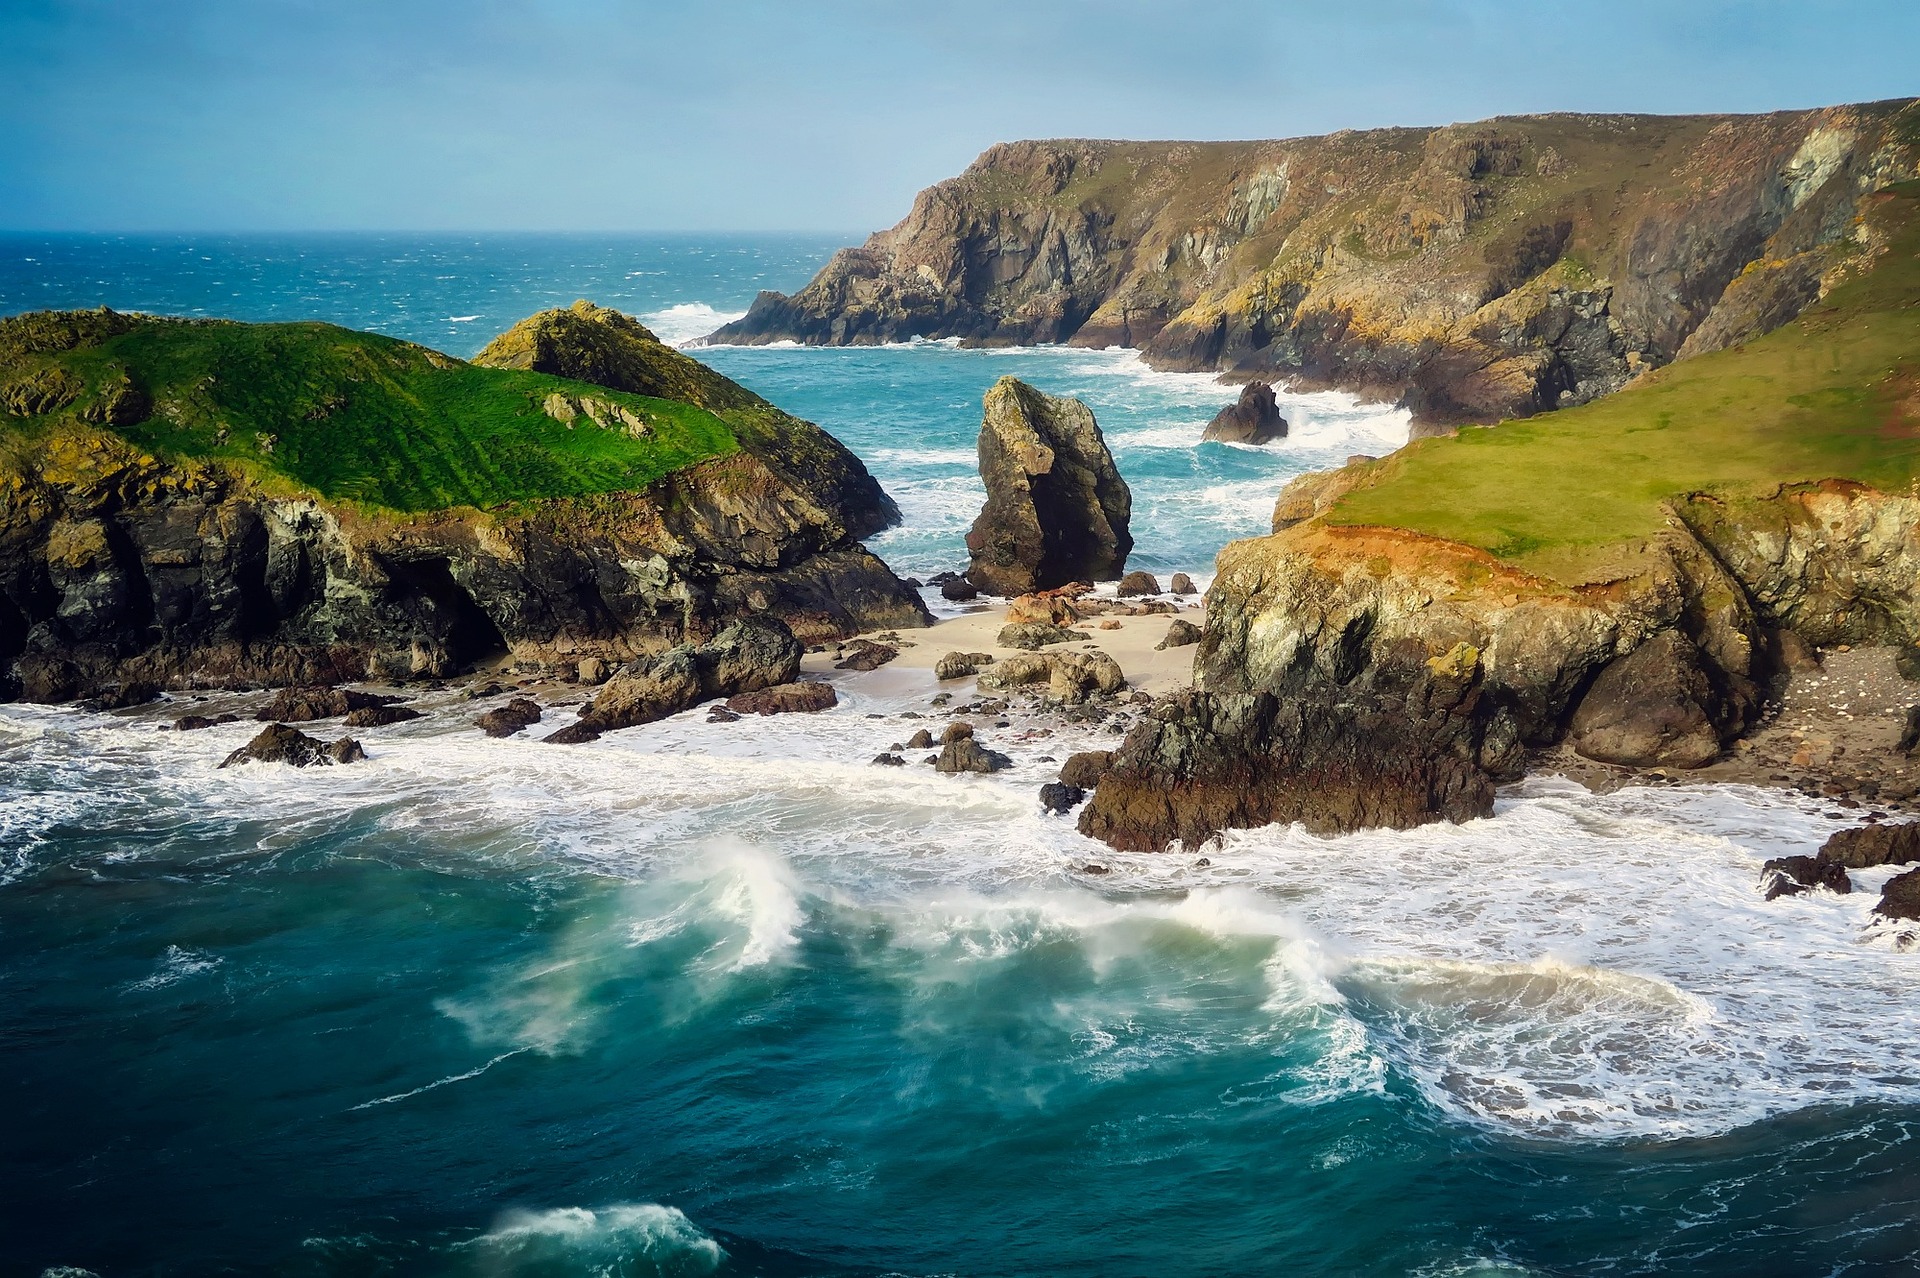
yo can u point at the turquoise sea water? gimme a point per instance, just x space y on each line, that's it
702 1000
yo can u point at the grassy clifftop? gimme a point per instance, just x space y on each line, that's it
1833 394
348 415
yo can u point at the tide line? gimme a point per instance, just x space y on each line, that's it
441 1082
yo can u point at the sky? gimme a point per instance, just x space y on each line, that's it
814 115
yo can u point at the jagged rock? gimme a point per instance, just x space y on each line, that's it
1083 771
304 705
889 761
517 715
1138 582
1057 509
865 654
1792 875
1650 708
921 740
1864 847
578 732
786 698
1070 676
750 654
1181 584
1035 634
379 716
959 752
124 696
278 743
1060 799
1253 419
592 671
1900 898
958 665
959 590
195 722
1180 634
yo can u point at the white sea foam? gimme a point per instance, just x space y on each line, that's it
461 319
608 1239
687 322
176 964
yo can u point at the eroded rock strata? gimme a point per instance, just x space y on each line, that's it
1474 272
120 565
1358 676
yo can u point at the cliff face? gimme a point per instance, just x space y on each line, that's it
1474 272
121 561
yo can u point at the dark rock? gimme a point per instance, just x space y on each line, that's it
786 698
921 740
1180 634
1057 509
1254 419
865 654
304 705
278 743
958 730
1060 799
724 714
194 722
1795 654
1910 735
1900 898
1034 635
959 665
380 716
1138 582
481 692
577 733
123 696
959 590
889 761
750 654
1650 708
1791 875
1864 847
1181 584
964 754
1906 660
1083 771
517 715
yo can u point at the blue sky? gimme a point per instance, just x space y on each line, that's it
800 114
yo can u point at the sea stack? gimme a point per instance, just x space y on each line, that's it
1057 509
1253 419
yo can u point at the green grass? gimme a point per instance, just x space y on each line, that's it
356 416
1835 394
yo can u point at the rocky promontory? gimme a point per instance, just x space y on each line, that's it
1472 272
196 502
1057 510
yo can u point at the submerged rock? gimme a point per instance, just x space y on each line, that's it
517 715
1864 847
194 722
304 705
278 743
1253 419
1057 509
380 716
1083 771
1792 875
1060 799
1900 898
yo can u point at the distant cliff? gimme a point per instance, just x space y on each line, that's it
1474 272
201 502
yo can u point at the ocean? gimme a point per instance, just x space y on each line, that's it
725 999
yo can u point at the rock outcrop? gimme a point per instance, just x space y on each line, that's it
119 564
1473 272
278 743
1057 510
751 654
1252 419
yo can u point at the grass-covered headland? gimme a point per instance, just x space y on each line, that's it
1835 394
351 416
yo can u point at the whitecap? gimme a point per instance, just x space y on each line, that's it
607 1239
177 963
685 323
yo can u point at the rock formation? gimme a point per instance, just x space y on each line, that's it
123 562
1056 509
1473 272
1253 419
751 654
278 743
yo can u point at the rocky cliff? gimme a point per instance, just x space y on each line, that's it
218 503
1473 272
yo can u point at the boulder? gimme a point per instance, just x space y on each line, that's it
1792 875
958 665
1650 708
1060 799
1138 583
921 740
1253 419
1060 607
750 654
889 761
592 671
578 732
304 705
785 698
1866 846
1900 898
1035 634
1181 584
517 715
959 752
123 696
1180 634
1057 509
959 590
278 743
865 654
194 722
1906 662
1796 654
1910 734
379 716
1069 676
1083 771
